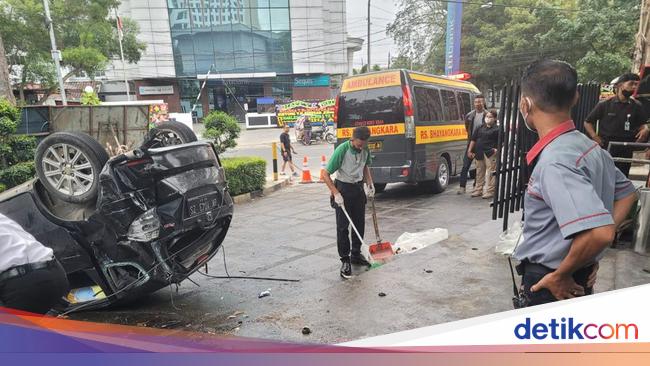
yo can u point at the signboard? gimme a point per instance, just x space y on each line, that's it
381 80
309 81
316 111
156 90
452 44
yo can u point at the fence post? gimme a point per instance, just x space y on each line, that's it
275 160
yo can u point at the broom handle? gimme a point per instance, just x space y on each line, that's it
352 224
374 219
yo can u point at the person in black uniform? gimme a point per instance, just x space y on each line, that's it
620 118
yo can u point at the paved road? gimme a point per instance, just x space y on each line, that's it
257 142
290 234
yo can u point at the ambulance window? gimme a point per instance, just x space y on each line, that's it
429 108
449 100
465 103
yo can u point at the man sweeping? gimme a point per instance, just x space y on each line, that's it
350 162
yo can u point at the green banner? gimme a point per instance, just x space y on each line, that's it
289 113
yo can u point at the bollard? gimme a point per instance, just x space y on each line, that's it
275 161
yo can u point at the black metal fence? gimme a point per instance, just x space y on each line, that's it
515 140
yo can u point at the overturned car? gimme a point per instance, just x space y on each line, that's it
126 226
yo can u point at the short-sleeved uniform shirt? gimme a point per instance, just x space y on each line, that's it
18 247
486 139
612 115
348 163
572 189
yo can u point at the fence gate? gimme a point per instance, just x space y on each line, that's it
515 140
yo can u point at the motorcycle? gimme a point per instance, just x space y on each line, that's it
321 133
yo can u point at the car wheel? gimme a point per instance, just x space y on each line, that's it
380 187
171 133
441 181
68 165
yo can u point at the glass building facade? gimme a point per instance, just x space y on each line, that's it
236 36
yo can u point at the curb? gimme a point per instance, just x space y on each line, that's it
271 187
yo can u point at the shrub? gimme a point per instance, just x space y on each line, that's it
223 129
17 174
2 187
23 148
245 174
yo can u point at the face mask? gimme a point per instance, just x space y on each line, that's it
627 93
526 117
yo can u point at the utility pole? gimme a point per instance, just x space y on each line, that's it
120 36
368 69
56 54
389 60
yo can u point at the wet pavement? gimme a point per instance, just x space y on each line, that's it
291 234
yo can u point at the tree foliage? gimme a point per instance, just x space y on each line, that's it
86 33
596 36
223 129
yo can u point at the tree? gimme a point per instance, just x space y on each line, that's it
223 129
85 30
5 85
596 36
376 67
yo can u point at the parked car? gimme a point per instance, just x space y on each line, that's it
126 226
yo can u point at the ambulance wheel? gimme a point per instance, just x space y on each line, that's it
441 180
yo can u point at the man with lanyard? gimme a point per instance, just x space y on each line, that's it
473 121
620 118
31 279
575 197
350 162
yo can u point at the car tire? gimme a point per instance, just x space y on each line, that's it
443 174
171 133
68 165
380 187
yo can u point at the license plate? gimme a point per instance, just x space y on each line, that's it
201 204
375 146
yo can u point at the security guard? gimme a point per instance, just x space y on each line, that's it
575 197
620 118
350 162
31 279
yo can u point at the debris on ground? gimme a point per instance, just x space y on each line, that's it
411 242
264 293
235 314
474 248
381 294
306 331
428 270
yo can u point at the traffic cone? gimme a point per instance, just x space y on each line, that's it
306 174
323 169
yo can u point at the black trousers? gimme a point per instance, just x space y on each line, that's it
354 199
464 173
36 291
533 273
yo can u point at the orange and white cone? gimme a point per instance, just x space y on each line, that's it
323 168
306 174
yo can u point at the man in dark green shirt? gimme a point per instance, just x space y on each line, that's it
350 162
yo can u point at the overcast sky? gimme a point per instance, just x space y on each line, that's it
382 12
